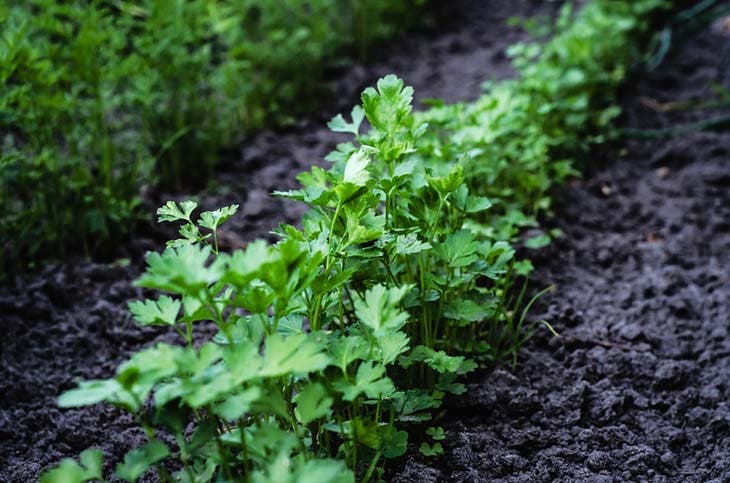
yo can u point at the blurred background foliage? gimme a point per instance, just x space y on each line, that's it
100 100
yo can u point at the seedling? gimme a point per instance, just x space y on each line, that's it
431 450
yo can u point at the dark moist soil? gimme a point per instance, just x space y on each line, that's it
71 320
637 386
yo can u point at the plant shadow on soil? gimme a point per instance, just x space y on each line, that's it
636 387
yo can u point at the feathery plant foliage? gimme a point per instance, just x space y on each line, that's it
102 99
348 332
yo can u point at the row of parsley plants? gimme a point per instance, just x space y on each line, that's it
336 341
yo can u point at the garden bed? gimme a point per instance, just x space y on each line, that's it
634 388
71 320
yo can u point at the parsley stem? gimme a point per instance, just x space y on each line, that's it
371 468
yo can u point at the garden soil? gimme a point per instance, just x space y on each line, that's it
637 385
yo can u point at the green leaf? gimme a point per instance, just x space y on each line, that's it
324 471
338 123
431 451
139 460
413 403
446 383
162 312
69 471
393 443
523 268
387 106
410 244
291 324
357 230
213 219
89 392
449 183
437 433
341 153
183 270
366 432
171 212
476 204
238 404
439 361
245 265
150 366
465 311
272 402
392 345
312 403
356 171
346 350
348 191
538 241
212 381
355 177
459 249
379 309
190 234
192 308
296 354
203 472
312 195
404 168
370 379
